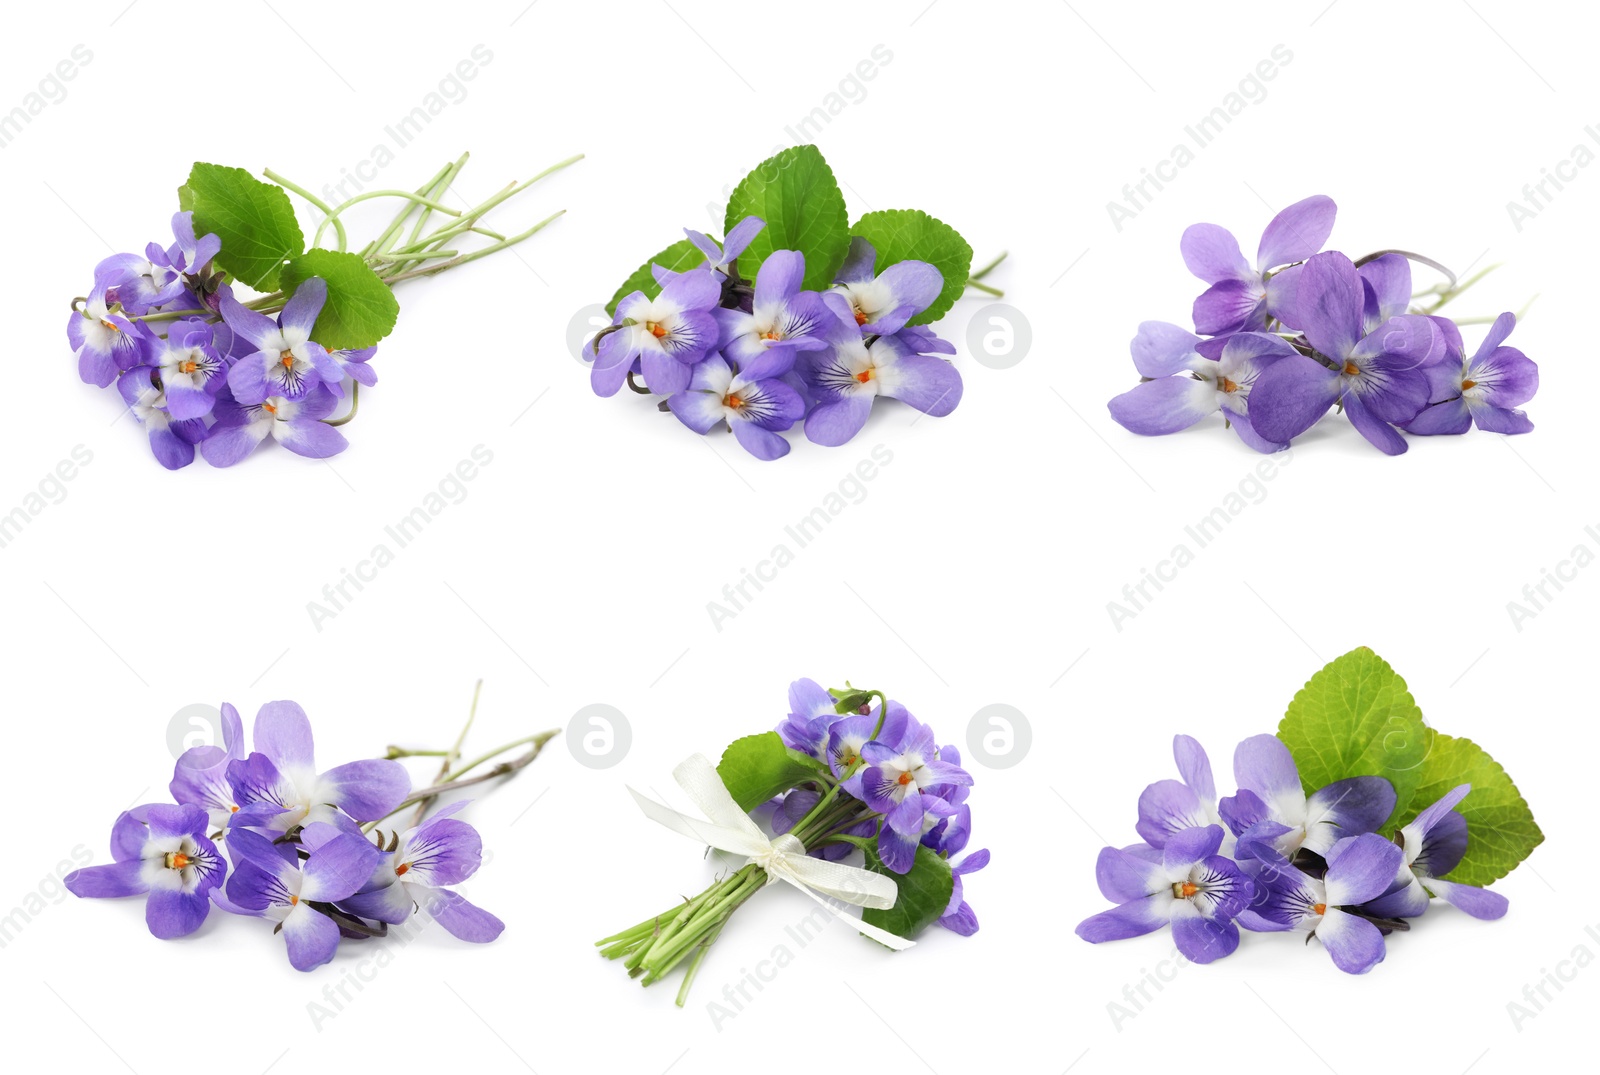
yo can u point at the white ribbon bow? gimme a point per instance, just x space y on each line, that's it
783 858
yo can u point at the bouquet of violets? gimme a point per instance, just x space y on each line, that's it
1347 826
264 833
796 317
1305 330
843 775
184 331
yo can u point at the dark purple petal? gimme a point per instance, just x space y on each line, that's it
1297 232
1229 306
1442 419
311 937
443 852
1165 405
1167 807
1354 805
1201 939
1189 846
1379 433
1508 377
338 868
1331 302
109 881
1388 288
833 424
366 790
1212 253
1161 349
1477 902
1290 396
1133 919
1355 944
173 913
462 920
1361 868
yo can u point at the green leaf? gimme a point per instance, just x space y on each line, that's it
681 256
796 194
1501 831
757 767
185 198
924 893
361 309
912 235
253 219
1355 718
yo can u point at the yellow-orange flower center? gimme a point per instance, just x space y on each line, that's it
269 408
1351 369
861 318
773 335
864 376
177 860
657 329
287 358
1320 908
109 325
734 401
904 779
1229 386
402 868
1468 383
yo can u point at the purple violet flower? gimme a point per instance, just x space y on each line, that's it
1186 386
1378 375
757 410
1433 845
661 338
1483 390
896 782
441 851
1187 885
161 852
958 915
782 320
201 776
849 375
1360 868
297 424
719 260
882 304
286 361
1272 812
265 882
103 339
1169 807
1244 299
278 787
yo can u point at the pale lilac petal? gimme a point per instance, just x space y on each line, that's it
1355 944
283 733
109 881
463 920
833 424
1161 349
1212 253
1132 919
1297 232
366 790
299 314
1165 405
1477 902
1361 868
311 937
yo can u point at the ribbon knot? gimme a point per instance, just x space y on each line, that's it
783 858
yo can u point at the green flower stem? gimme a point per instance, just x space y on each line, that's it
454 753
406 210
433 270
415 199
538 741
996 292
454 781
355 405
979 274
441 184
338 225
699 957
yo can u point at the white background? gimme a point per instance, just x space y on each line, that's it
976 569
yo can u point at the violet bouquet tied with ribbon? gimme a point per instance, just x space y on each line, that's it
1348 825
186 334
1278 344
256 828
797 317
848 777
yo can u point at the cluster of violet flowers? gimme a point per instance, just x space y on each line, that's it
878 783
761 357
1272 859
265 833
899 787
198 368
1278 344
